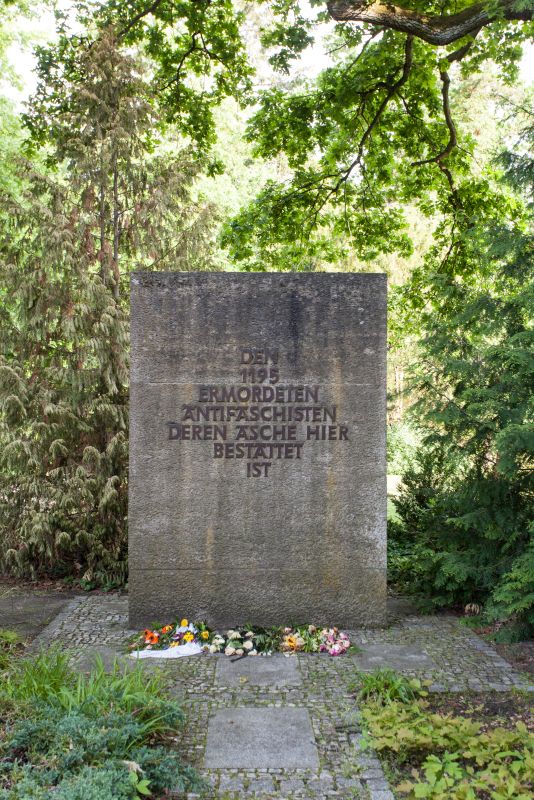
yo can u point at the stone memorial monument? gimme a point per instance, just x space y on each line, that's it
257 448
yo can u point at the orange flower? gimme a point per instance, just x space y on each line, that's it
151 637
166 629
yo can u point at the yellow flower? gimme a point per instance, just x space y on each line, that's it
188 637
184 623
175 644
205 635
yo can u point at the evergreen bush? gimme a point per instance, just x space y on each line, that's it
107 203
466 506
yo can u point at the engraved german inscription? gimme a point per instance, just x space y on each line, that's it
258 419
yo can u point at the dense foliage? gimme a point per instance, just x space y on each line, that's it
440 755
108 202
96 737
376 131
468 501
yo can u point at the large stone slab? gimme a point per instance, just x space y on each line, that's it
257 472
27 611
260 738
276 671
393 656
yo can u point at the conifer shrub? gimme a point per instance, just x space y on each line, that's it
105 202
104 735
466 507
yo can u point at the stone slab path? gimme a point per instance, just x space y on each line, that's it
283 727
27 611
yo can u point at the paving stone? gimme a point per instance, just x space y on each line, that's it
291 785
110 656
375 772
261 786
377 784
29 611
231 783
393 656
273 671
317 688
261 737
381 794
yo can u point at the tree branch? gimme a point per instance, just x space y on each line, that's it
143 13
453 139
462 51
392 90
435 29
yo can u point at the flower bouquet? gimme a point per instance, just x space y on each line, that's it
185 638
311 639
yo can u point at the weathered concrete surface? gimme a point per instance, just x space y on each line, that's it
393 656
27 611
275 670
261 738
307 542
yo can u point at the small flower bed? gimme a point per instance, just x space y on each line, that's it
247 641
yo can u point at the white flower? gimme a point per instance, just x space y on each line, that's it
253 653
249 635
230 651
239 652
248 645
235 635
213 648
218 639
230 634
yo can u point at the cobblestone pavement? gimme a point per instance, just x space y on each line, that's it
435 648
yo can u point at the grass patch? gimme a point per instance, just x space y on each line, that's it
448 747
10 645
102 736
385 685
